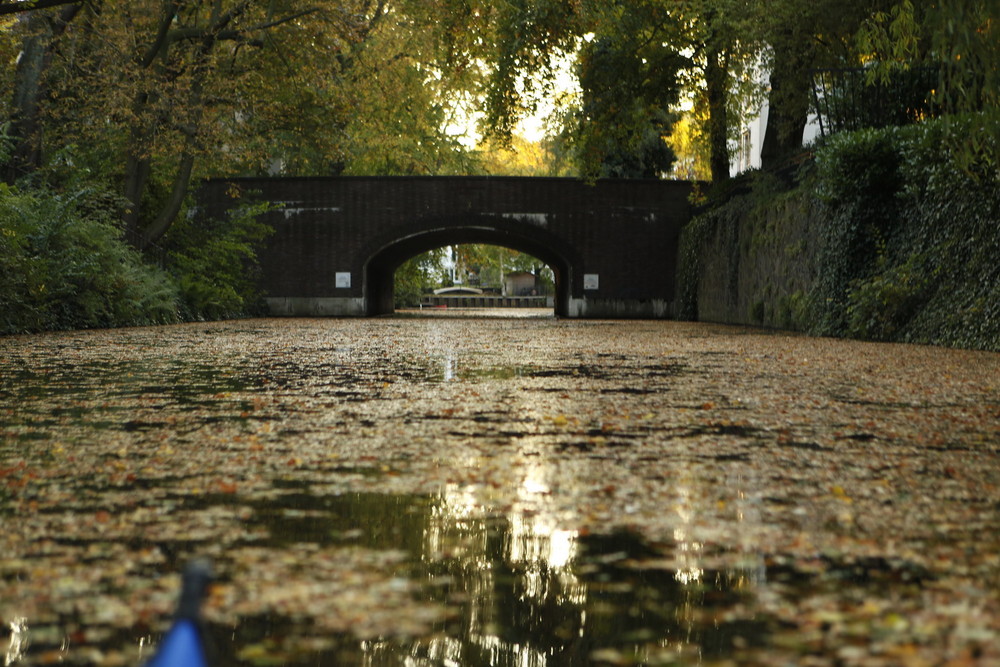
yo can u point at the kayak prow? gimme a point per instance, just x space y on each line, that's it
183 645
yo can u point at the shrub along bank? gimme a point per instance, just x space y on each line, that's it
65 265
887 235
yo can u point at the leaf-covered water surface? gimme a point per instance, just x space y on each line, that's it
500 492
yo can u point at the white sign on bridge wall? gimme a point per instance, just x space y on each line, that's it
591 281
343 280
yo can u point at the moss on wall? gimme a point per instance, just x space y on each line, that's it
751 259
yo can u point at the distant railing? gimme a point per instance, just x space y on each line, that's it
851 99
484 301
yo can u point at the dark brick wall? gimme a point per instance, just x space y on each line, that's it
625 231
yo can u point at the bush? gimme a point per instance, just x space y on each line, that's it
214 263
415 277
880 307
911 236
64 265
689 265
857 181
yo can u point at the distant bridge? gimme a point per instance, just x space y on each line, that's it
612 245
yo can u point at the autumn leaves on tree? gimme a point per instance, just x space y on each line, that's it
151 95
156 94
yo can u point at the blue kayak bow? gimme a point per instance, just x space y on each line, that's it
182 646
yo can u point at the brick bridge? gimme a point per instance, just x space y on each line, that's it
612 246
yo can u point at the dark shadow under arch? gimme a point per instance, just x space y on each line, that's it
391 250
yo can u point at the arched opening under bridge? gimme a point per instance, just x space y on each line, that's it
380 269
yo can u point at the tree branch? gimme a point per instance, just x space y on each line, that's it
16 6
234 35
162 32
227 18
286 19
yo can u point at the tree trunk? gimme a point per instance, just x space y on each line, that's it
143 230
155 230
138 165
716 82
137 170
43 29
788 112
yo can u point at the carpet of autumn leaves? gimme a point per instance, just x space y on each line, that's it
500 491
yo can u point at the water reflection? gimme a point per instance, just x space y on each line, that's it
524 587
17 643
523 590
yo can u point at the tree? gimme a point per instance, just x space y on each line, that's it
145 80
417 276
19 6
368 98
41 30
491 263
629 76
798 37
716 48
401 81
157 93
615 125
959 39
181 60
633 59
521 157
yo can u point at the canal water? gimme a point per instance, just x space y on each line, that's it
529 491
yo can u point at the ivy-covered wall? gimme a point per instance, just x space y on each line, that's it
889 235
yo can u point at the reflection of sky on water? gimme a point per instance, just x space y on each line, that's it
534 549
537 593
448 366
17 642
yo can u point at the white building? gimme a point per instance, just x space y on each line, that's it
751 139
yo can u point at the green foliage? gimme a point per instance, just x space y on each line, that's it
892 38
6 144
214 263
902 243
880 306
486 265
620 128
63 265
716 228
417 276
689 267
858 178
791 312
912 238
959 40
521 41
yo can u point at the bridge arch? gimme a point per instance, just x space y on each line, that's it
390 250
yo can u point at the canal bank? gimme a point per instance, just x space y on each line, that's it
886 235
